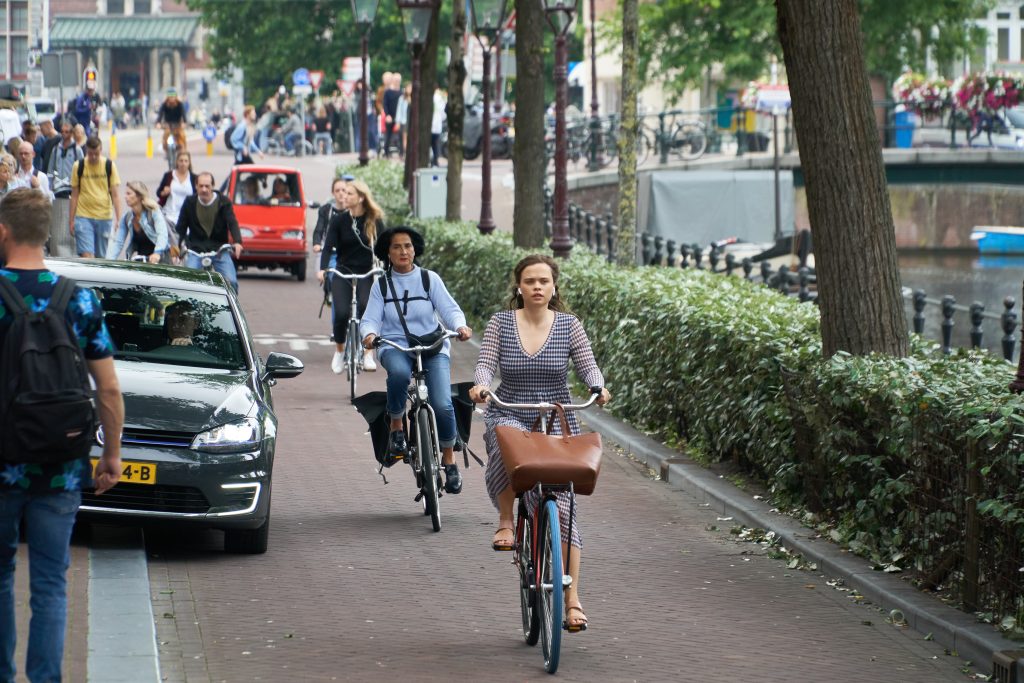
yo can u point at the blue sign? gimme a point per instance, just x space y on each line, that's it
300 77
209 133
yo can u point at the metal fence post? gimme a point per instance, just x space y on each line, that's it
662 140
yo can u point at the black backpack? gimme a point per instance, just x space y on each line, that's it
80 165
227 137
47 413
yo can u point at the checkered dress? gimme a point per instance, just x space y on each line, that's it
531 379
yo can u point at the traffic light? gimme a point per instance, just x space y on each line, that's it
90 79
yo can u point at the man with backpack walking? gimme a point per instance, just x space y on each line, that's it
95 203
47 424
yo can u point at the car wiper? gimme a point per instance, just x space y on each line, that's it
135 359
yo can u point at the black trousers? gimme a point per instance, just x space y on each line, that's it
341 297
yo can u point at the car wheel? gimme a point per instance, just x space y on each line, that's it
249 541
299 270
470 154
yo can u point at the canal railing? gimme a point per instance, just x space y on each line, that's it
600 235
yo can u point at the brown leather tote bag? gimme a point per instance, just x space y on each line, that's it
532 457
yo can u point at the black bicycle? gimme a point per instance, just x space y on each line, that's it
424 447
353 349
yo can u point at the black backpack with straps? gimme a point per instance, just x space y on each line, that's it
47 414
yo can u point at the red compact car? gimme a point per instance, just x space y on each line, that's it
271 212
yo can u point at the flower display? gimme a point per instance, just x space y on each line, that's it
971 93
925 96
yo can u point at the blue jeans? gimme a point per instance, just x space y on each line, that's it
49 518
291 140
222 263
439 378
91 236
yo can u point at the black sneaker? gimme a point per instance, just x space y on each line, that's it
398 449
452 479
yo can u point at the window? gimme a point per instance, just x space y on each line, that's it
115 6
143 6
19 56
3 56
1020 12
1003 15
1003 49
19 16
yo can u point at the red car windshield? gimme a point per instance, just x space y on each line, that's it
266 189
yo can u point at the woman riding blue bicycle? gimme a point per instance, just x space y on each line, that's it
532 343
352 234
407 302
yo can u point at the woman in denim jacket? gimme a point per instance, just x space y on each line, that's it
142 227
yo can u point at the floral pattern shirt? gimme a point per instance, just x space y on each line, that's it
85 316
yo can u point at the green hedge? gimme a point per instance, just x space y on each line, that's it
912 462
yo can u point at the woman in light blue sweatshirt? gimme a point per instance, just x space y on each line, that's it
424 300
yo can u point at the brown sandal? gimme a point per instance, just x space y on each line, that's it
499 544
581 620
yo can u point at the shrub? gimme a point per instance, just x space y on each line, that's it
385 180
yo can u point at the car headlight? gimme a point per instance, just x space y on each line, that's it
234 437
246 232
292 235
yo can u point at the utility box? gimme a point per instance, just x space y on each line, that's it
431 192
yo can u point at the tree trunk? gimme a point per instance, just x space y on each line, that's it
455 111
428 83
529 167
625 249
847 196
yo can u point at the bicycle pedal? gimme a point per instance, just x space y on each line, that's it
418 498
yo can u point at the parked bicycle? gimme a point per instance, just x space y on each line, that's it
353 348
543 574
424 448
275 145
687 139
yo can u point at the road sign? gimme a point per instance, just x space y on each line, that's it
352 68
300 77
209 133
315 78
347 87
306 89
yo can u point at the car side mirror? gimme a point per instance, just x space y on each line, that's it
313 205
282 366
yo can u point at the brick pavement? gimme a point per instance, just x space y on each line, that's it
355 587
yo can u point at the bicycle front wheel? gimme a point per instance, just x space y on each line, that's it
527 576
550 588
689 141
352 358
428 461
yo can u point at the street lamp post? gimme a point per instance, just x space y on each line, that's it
559 14
416 18
596 152
365 11
488 16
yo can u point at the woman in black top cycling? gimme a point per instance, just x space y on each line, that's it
353 234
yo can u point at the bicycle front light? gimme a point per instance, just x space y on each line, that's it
421 392
234 437
207 262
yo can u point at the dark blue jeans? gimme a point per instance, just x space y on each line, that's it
49 518
439 378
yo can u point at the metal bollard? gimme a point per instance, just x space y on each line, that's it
730 263
748 268
948 302
697 253
684 256
659 242
805 279
1008 321
713 259
919 305
645 248
977 313
766 272
783 284
670 253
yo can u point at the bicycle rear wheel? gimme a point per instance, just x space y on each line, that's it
643 149
428 461
550 591
527 576
689 141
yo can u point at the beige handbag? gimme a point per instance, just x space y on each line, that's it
532 457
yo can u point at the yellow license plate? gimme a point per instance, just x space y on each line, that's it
134 472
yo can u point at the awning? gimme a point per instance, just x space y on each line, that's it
137 31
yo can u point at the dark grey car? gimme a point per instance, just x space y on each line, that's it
200 431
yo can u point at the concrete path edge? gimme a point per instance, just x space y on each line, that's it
958 631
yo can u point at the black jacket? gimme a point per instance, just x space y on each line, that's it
191 233
323 218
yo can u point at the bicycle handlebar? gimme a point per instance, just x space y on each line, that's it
369 273
595 393
208 254
448 334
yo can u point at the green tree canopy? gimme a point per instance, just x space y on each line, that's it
689 37
269 39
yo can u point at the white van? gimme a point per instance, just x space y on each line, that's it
40 108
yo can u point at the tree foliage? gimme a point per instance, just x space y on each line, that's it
688 37
269 39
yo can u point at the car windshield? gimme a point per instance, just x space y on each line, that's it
268 189
1016 118
171 326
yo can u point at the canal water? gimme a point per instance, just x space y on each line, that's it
968 278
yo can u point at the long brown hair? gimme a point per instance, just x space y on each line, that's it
516 300
371 209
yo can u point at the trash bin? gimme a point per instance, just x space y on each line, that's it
61 242
903 123
431 192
